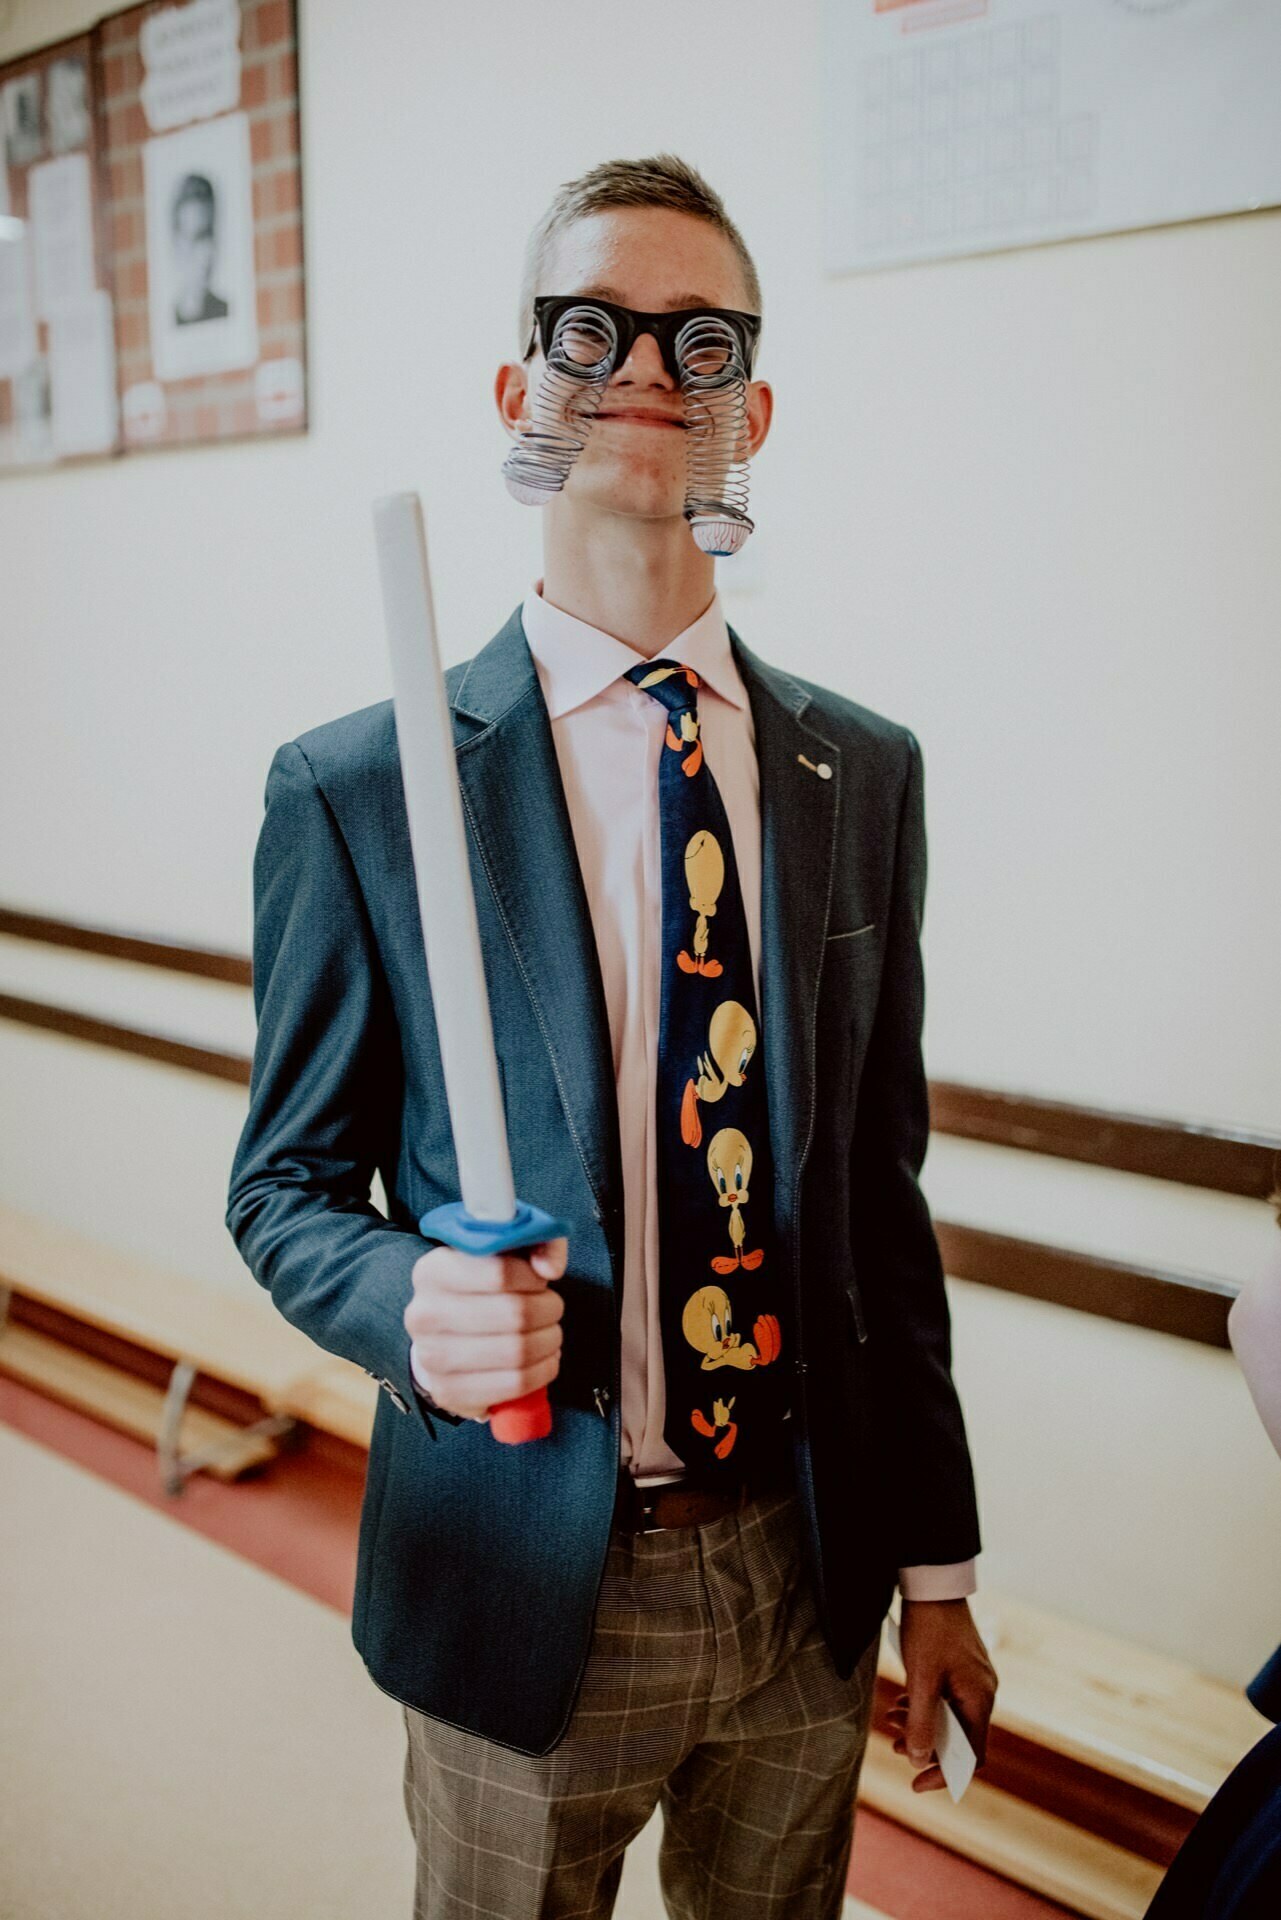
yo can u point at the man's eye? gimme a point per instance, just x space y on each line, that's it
584 342
706 362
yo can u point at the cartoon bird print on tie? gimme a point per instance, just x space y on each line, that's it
708 1326
689 734
705 876
729 1162
710 1428
731 1042
712 1046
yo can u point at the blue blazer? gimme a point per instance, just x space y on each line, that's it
479 1564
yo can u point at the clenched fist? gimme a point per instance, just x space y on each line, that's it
485 1327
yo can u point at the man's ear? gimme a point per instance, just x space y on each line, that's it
511 394
760 412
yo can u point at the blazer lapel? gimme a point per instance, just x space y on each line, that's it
799 811
514 806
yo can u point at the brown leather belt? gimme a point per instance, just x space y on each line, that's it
655 1509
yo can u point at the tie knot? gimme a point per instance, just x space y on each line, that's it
673 685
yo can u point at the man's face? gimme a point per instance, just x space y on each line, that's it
193 250
634 460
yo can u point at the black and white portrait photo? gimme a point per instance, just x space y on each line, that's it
67 104
23 120
194 228
200 258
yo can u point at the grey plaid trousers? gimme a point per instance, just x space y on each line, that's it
708 1688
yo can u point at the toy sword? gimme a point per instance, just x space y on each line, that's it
489 1218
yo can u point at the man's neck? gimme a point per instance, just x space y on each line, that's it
644 581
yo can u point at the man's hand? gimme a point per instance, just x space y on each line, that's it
943 1656
485 1327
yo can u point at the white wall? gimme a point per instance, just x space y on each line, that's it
1027 503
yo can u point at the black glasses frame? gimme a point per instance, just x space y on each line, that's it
549 307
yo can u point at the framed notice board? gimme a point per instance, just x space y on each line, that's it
151 240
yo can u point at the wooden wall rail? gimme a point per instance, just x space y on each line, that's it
167 954
1224 1160
1193 1306
109 1033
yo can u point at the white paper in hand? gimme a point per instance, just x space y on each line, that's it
955 1754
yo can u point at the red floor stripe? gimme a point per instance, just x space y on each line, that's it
298 1520
909 1878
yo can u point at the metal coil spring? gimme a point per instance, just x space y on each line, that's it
713 377
575 376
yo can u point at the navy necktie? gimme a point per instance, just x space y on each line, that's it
722 1290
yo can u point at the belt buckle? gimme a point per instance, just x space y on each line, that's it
646 1497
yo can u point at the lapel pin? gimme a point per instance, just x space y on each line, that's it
823 771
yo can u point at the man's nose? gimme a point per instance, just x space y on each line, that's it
643 365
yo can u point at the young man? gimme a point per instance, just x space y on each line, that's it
709 1043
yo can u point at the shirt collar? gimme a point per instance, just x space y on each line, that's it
577 661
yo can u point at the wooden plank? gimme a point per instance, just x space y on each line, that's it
1190 1306
338 1398
124 1401
239 1338
170 955
1129 1713
110 1033
1034 1849
1222 1159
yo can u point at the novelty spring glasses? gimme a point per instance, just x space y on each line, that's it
713 353
709 352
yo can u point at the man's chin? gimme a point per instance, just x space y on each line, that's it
627 498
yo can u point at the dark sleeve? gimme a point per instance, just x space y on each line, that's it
930 1492
324 1096
425 1400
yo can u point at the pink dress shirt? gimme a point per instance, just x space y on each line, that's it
608 736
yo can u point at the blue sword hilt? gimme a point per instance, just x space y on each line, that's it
530 1417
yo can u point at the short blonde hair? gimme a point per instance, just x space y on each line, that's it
661 180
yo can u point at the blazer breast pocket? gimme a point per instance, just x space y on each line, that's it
852 933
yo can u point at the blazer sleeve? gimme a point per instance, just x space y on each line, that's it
930 1495
324 1096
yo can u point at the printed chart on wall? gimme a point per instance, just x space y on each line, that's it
967 126
57 353
151 265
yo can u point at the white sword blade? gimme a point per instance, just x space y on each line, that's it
442 875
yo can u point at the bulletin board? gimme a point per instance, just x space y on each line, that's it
55 283
152 288
967 126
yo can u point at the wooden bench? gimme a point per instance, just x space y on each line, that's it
1128 1744
238 1340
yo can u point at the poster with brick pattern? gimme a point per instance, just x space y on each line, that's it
194 328
55 285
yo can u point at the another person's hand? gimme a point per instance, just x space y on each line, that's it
943 1657
485 1327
